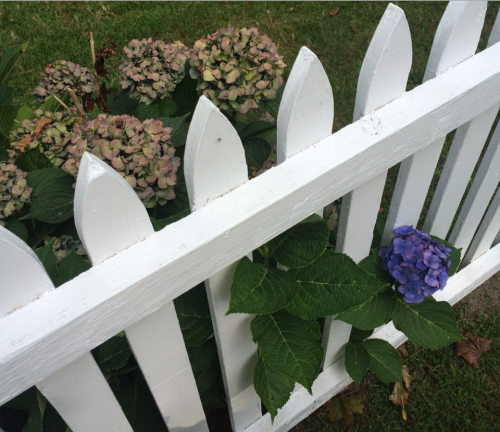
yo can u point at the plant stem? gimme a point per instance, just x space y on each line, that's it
78 106
61 102
93 64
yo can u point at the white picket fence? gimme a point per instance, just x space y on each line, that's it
46 334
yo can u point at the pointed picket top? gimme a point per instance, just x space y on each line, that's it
109 216
387 63
306 111
22 276
495 32
456 37
214 160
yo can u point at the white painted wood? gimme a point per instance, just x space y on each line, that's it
214 165
456 40
464 152
107 209
335 378
22 276
489 228
131 285
83 398
383 78
477 200
305 114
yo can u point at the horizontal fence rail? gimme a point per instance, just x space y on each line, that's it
62 325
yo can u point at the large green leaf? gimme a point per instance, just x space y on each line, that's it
273 388
290 345
7 116
17 227
47 257
5 95
371 266
372 313
32 160
25 112
53 105
194 316
185 95
53 195
301 244
4 156
180 128
384 360
122 103
257 289
158 109
360 335
256 129
256 153
114 353
430 324
35 420
330 285
357 361
455 255
10 58
159 224
273 105
202 356
71 266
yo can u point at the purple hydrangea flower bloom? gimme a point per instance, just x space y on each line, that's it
417 262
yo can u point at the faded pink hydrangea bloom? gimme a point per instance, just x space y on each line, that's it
14 192
152 70
236 68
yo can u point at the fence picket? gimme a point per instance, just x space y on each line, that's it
482 189
456 40
157 342
464 152
383 78
79 384
489 228
214 164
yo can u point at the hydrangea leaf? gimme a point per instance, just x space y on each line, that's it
122 103
372 313
256 153
258 289
7 116
185 95
159 224
344 407
114 353
180 129
5 95
370 266
157 109
290 345
32 160
48 259
255 129
4 156
357 361
53 105
194 316
10 58
273 388
16 227
25 112
430 324
455 255
202 356
384 360
301 244
273 105
330 285
360 335
71 266
52 196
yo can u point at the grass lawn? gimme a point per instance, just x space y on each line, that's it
447 394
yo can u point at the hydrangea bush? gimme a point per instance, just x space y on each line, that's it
236 68
63 245
60 75
417 262
152 70
14 191
142 152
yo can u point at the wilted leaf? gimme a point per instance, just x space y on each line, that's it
472 348
402 351
344 407
333 12
399 395
38 128
407 379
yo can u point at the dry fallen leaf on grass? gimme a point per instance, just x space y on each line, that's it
407 379
402 351
472 348
399 395
344 407
333 12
